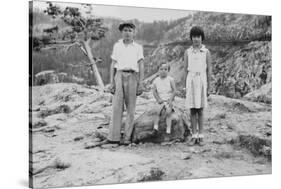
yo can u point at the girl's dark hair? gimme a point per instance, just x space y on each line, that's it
197 31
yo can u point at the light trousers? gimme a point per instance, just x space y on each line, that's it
125 93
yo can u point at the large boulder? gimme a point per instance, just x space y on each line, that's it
45 77
264 94
143 127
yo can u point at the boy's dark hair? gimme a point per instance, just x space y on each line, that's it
197 31
162 64
126 24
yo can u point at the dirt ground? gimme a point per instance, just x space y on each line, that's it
65 118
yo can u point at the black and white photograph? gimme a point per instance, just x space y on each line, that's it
124 94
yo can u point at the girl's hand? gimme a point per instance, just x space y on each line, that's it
208 93
160 101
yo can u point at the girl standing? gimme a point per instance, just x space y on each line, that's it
197 73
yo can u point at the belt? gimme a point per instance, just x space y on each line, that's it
128 71
196 73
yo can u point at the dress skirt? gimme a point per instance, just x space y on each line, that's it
196 90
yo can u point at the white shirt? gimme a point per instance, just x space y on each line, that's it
164 87
127 55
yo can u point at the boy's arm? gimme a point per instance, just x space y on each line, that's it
112 66
140 87
141 70
155 94
140 64
185 66
112 72
209 72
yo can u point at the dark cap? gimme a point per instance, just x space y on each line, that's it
126 24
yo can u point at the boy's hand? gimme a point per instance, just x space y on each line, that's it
112 88
140 89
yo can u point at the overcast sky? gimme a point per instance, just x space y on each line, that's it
127 13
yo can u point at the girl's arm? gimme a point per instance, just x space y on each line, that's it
155 94
185 66
209 72
174 91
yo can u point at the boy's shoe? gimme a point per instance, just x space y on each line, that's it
201 142
106 141
154 133
167 138
125 142
192 142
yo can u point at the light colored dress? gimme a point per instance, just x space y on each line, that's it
196 81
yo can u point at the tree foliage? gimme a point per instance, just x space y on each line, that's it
79 27
223 27
83 30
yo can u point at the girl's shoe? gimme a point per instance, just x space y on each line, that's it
192 142
201 142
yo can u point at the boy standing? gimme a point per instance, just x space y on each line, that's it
126 75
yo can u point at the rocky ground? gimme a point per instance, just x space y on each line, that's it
66 120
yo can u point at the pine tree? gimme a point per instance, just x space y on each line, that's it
84 30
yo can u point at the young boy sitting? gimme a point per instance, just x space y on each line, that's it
164 91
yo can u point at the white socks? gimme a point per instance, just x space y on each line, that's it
155 127
197 135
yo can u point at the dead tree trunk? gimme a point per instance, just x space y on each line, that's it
93 64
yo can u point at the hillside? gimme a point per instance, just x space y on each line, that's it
240 46
223 26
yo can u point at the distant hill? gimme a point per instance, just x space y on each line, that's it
222 26
240 46
254 57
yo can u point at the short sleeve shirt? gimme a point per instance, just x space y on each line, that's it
127 55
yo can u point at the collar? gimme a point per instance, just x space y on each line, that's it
121 41
202 49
